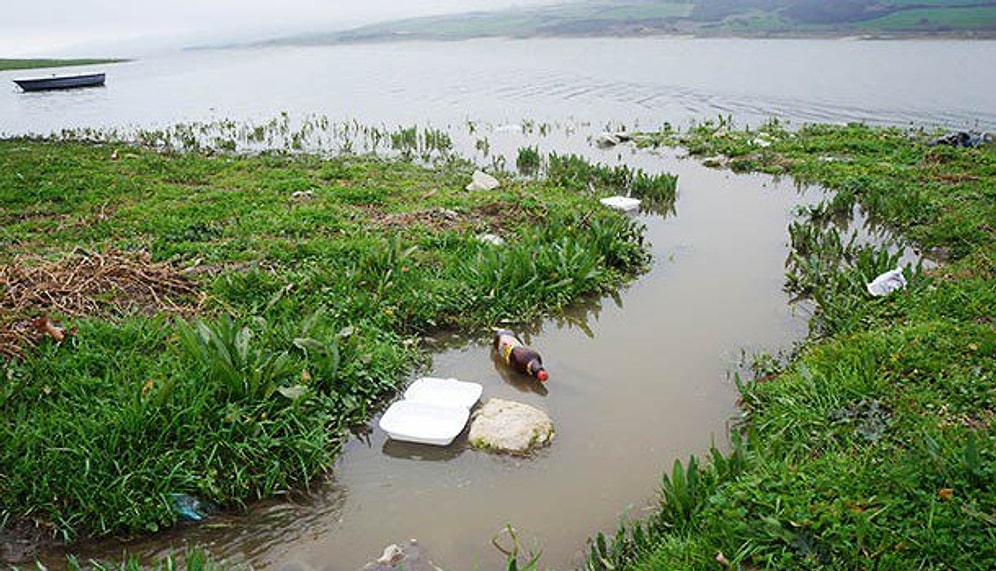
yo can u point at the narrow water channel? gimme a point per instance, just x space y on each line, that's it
636 380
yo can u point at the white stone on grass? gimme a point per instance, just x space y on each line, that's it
483 181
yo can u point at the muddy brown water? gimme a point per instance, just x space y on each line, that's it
637 380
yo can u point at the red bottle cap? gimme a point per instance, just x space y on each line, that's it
542 375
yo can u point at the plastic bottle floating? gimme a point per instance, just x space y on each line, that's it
514 353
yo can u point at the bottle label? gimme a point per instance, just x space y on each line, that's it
505 348
506 352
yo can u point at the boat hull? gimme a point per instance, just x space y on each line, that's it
61 82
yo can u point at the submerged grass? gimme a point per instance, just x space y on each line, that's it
874 447
308 282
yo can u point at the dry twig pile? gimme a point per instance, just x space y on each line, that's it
84 284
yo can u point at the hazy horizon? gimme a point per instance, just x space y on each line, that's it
118 28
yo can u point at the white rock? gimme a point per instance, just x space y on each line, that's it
887 283
507 426
493 239
483 181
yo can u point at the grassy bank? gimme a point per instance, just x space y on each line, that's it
210 325
14 64
874 446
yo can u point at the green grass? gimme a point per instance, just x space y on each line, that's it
14 64
189 560
930 19
305 310
649 11
873 447
935 3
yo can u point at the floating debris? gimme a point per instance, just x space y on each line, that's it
434 411
623 203
607 140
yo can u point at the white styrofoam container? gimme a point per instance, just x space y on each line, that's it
446 392
624 203
423 422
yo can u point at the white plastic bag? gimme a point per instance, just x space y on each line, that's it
887 283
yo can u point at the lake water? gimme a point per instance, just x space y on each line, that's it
637 379
633 81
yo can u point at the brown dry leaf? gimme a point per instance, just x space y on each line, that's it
46 326
946 494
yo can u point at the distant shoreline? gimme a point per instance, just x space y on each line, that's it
398 38
793 19
28 63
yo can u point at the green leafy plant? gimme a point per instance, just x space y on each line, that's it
513 552
242 368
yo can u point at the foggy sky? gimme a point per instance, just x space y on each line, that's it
78 28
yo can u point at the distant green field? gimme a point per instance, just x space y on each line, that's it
645 12
982 18
754 23
9 64
526 23
474 26
939 3
800 18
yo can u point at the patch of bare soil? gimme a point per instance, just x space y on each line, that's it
37 292
20 542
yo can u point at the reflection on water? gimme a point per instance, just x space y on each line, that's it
524 383
426 452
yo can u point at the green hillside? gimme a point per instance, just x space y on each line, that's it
752 18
